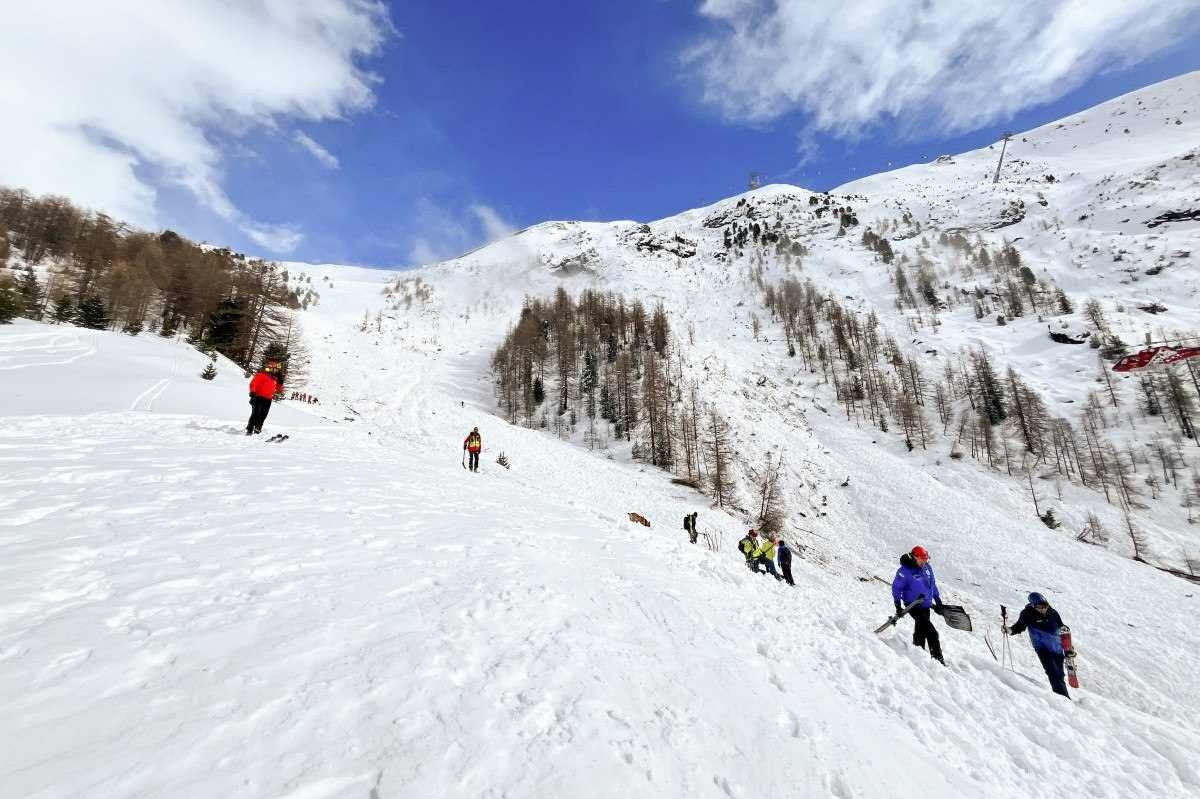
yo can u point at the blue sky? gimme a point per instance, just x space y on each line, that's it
416 130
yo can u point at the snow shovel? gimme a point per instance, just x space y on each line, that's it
893 619
956 617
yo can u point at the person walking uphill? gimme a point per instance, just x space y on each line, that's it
263 388
785 562
915 579
473 443
747 546
1045 633
765 556
689 526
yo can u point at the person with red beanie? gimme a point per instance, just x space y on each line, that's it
263 388
914 579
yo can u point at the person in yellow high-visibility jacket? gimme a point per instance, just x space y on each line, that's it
746 546
765 555
473 443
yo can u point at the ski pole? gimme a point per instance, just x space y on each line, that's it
1006 648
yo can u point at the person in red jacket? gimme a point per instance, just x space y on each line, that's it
263 388
473 444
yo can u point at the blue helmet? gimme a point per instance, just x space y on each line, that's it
1036 599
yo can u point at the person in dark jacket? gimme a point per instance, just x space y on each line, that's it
784 554
1045 633
689 524
915 579
747 547
263 388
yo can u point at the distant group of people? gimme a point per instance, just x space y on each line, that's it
300 396
762 553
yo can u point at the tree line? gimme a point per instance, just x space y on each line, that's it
615 366
998 418
71 265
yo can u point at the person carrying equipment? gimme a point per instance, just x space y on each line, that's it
263 388
747 546
473 444
915 579
1045 633
689 526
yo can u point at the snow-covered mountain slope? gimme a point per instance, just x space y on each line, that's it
184 611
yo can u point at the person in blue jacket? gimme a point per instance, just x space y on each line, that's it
1045 633
915 579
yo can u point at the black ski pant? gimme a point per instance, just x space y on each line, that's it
1052 662
786 568
473 461
925 633
259 408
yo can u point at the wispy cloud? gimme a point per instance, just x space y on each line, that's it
494 227
443 233
327 159
119 99
940 64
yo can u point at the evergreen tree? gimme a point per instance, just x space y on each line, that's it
31 293
64 309
10 303
223 326
93 314
1095 314
588 380
722 483
133 327
607 411
210 371
1063 302
991 394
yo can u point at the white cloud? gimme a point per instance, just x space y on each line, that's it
327 159
443 234
494 227
104 102
955 66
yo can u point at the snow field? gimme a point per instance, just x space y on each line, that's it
187 612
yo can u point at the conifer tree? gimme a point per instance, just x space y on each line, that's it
10 302
93 314
64 309
31 293
722 483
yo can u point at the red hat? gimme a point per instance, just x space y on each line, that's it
920 552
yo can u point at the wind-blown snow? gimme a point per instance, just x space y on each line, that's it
188 612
